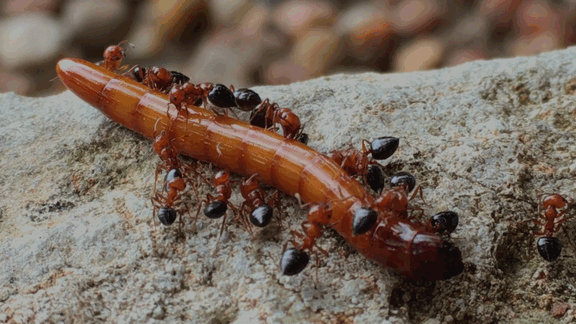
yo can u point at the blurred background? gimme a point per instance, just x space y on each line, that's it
247 43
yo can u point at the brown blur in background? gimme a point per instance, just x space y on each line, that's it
246 43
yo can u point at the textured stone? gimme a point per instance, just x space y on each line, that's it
483 139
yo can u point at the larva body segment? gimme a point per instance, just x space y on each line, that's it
286 164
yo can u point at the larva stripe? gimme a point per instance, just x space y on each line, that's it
286 164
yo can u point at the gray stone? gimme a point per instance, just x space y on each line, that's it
483 139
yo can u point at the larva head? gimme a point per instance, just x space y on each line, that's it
433 258
422 256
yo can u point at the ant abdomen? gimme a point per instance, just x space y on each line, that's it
293 261
167 216
222 97
364 219
403 177
215 209
261 216
383 147
247 99
375 177
549 248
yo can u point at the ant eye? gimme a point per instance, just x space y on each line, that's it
403 177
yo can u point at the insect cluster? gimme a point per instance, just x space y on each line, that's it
385 226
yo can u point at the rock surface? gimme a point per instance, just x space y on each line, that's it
484 139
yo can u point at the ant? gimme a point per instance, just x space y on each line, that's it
295 259
396 200
549 246
113 56
262 213
157 78
215 95
358 163
216 207
176 177
266 114
269 114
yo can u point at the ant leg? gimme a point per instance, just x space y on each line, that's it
568 236
220 234
418 190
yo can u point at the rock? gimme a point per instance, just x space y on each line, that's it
483 139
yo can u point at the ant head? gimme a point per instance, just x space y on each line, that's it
114 53
555 201
403 179
222 177
176 94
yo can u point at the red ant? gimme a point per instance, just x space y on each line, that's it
295 259
358 163
215 95
113 56
549 246
216 207
396 201
176 177
269 114
266 114
262 213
